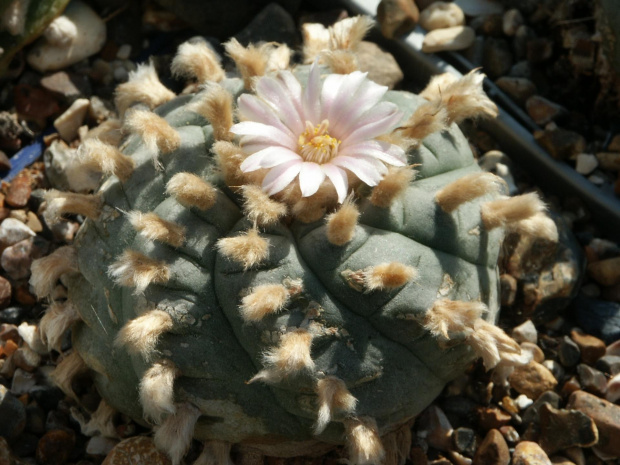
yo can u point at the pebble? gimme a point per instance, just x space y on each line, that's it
5 162
591 379
437 427
555 368
9 332
70 121
531 415
586 163
33 222
609 364
519 88
60 82
605 272
479 7
492 417
600 318
522 402
542 110
511 21
532 380
465 441
13 414
13 315
561 429
609 161
100 445
561 144
5 293
539 50
592 348
139 450
19 192
452 38
571 385
16 259
525 332
537 353
606 416
493 450
26 359
124 52
55 447
397 17
569 353
23 382
26 445
613 389
497 57
440 15
35 418
510 434
12 231
6 457
380 65
79 33
529 453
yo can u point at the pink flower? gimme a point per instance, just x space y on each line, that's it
317 133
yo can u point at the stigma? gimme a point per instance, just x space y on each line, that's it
316 145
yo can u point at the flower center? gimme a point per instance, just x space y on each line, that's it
316 145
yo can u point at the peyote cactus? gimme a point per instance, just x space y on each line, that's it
288 282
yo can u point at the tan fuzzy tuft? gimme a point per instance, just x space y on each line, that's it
388 276
279 58
363 441
349 32
47 271
197 60
101 422
143 86
108 132
333 396
157 391
57 320
468 188
465 98
495 346
60 203
248 248
192 191
229 158
316 40
308 209
447 317
155 228
341 61
215 453
106 159
428 118
538 225
155 131
216 105
342 223
259 207
68 368
393 184
251 61
135 269
141 334
291 356
397 445
175 434
264 300
505 211
436 86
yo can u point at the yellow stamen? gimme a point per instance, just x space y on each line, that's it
316 145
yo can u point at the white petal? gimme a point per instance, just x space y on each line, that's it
330 89
251 108
292 85
360 168
278 97
281 176
312 95
268 158
382 120
264 133
366 97
389 153
310 178
337 114
339 179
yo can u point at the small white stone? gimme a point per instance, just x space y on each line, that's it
100 445
23 382
70 121
525 332
31 336
596 179
613 389
451 38
480 7
511 21
12 231
586 163
441 15
77 34
523 401
124 51
120 74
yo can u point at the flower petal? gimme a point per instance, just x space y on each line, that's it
339 179
312 95
364 100
281 176
268 158
264 132
310 178
337 114
384 151
251 108
292 85
279 98
329 92
382 120
360 168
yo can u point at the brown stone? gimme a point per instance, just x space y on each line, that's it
139 450
493 450
605 272
381 66
520 89
571 385
537 353
543 111
397 17
19 192
34 223
592 348
606 416
561 144
5 293
492 418
23 296
529 453
55 447
539 50
614 145
9 332
35 102
532 380
561 429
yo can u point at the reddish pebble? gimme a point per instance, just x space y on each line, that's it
493 450
139 450
55 447
492 418
606 416
19 192
592 348
529 453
